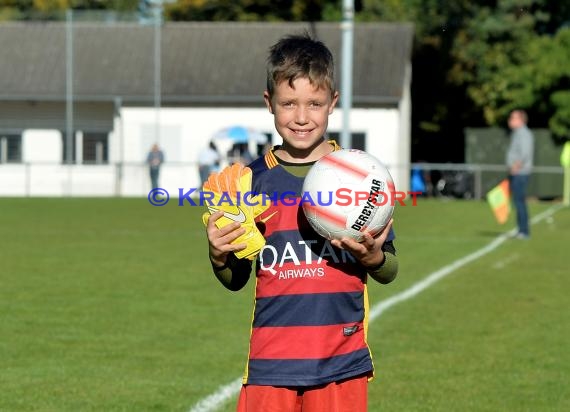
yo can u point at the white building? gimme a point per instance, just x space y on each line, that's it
212 75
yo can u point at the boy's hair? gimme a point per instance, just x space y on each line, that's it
300 56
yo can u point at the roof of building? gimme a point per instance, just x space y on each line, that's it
202 62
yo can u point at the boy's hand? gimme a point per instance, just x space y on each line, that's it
220 240
368 252
233 209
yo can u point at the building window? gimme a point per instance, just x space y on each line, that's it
10 148
95 148
87 148
357 140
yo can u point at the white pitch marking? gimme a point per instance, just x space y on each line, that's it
217 399
506 261
214 401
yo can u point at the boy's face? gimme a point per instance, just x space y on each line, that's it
301 113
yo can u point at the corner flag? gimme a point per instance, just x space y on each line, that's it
499 200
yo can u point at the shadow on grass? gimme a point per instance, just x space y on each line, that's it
490 233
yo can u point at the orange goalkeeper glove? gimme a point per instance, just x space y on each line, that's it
227 189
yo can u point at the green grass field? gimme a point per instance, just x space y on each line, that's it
109 305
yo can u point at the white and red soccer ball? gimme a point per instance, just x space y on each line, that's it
351 193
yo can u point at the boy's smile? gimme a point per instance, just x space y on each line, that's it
301 118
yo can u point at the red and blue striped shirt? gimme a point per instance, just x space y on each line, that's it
310 318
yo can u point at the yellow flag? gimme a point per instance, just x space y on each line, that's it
499 200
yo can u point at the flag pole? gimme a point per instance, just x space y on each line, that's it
347 26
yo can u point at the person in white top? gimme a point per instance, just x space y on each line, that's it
208 162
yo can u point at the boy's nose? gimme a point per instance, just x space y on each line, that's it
301 116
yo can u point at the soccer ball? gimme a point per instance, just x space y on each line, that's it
346 193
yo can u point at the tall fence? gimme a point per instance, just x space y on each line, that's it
473 181
117 179
122 179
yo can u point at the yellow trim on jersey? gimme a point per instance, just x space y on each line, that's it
271 161
366 321
334 144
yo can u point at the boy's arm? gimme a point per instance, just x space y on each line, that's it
234 274
231 271
377 255
387 270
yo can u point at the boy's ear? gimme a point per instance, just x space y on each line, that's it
334 101
267 99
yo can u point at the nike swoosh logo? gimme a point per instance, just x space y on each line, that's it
240 217
264 220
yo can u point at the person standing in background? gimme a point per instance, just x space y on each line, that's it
154 159
208 162
520 161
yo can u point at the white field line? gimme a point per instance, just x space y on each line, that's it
212 402
506 261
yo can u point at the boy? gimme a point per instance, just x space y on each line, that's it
308 349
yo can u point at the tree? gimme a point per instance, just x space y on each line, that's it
440 111
55 9
473 62
507 58
248 10
550 79
486 51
